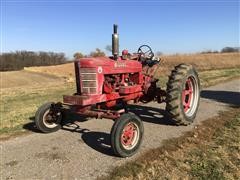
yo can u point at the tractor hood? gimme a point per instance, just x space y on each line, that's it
111 66
95 61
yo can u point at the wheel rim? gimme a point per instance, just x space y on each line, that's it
190 96
50 119
130 136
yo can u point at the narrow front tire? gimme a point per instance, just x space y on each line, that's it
48 119
126 135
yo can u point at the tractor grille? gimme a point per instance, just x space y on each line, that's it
89 80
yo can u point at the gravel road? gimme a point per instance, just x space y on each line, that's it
81 149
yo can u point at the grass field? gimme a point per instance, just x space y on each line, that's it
20 104
200 61
210 151
203 61
18 79
22 92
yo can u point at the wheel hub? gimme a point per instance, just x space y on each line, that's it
187 94
50 118
129 135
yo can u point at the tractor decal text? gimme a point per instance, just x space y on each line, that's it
119 64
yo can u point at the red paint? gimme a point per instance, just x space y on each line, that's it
111 66
125 52
130 89
104 82
128 135
187 95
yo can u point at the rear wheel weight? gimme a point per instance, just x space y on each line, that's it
126 135
183 93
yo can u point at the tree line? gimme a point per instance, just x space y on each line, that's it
20 59
97 53
17 60
223 50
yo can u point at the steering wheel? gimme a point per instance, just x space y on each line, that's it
145 51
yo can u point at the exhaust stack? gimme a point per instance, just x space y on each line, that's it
115 42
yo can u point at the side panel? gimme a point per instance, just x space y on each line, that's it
77 76
100 77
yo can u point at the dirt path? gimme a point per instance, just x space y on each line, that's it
81 150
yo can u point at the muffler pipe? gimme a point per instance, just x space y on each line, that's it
115 42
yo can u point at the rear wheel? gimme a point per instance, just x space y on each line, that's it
126 135
47 119
183 93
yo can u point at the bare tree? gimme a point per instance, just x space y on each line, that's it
97 53
78 55
230 49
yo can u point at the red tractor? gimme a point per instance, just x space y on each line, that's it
106 85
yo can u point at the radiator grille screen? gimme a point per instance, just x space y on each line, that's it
89 80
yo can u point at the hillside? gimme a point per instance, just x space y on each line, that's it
200 61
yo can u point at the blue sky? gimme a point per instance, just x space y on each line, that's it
173 26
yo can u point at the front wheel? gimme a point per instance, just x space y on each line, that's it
183 94
48 119
126 135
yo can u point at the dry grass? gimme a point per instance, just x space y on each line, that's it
18 79
65 71
200 61
210 151
18 104
211 77
23 91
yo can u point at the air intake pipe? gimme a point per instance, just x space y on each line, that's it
115 42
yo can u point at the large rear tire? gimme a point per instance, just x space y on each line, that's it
47 119
183 94
126 135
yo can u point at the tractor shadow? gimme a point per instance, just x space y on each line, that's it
30 126
151 114
226 97
100 141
